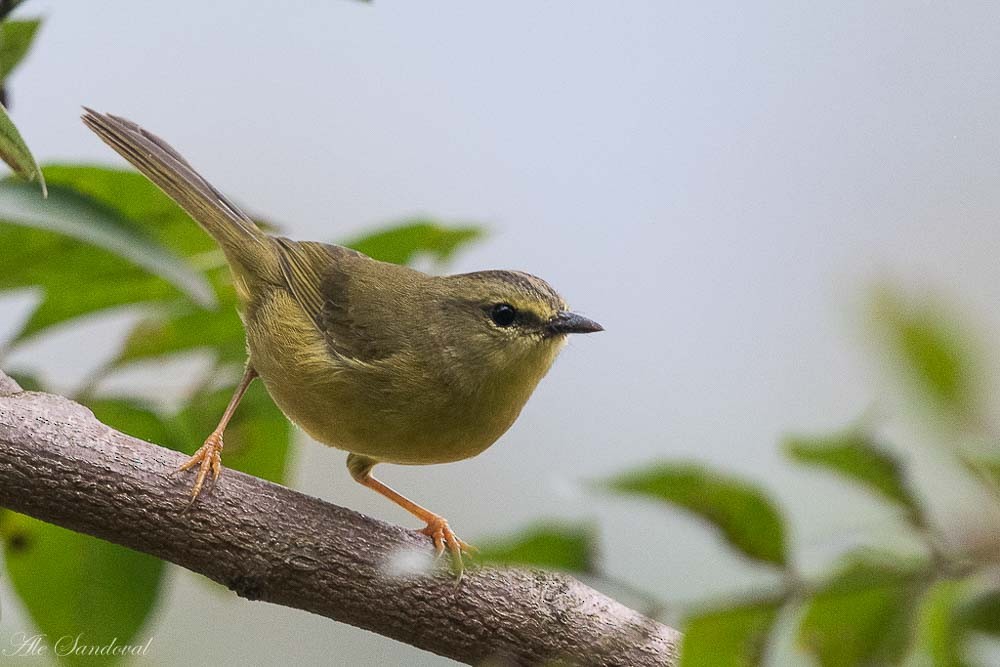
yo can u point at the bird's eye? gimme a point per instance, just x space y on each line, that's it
503 314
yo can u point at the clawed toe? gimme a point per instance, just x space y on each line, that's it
208 459
442 534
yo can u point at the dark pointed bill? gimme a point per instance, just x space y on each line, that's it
565 322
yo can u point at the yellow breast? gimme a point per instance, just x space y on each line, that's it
396 410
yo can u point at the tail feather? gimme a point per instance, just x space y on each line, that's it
241 240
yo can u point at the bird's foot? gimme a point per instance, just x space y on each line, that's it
442 534
208 458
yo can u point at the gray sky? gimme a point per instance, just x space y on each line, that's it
716 184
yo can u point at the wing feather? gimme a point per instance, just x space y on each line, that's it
322 278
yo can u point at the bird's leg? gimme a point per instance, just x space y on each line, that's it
209 455
437 526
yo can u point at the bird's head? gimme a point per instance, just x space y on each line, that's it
510 319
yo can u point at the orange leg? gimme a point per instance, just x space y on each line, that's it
209 455
437 526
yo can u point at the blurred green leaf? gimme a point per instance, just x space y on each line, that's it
142 203
734 636
75 279
26 381
982 613
985 470
257 440
939 637
72 584
79 279
135 419
550 545
929 348
15 153
857 457
864 614
401 244
991 469
15 41
742 512
183 326
69 213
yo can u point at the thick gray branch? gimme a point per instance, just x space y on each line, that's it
266 542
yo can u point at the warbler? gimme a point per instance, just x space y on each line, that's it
385 362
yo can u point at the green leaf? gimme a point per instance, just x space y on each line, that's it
939 636
550 545
72 584
15 152
26 381
982 613
74 279
987 468
864 614
15 41
257 440
743 513
187 329
135 198
69 213
184 327
402 243
857 457
733 636
79 279
929 348
135 419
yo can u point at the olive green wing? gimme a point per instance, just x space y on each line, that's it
322 277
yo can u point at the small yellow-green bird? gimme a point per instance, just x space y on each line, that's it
382 361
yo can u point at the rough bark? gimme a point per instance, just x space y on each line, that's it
267 542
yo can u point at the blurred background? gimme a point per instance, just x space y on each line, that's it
721 186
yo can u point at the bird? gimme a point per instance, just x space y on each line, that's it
385 362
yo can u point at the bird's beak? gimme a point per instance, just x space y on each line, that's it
565 322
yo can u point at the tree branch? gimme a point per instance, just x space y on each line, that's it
267 542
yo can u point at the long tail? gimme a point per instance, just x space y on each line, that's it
248 249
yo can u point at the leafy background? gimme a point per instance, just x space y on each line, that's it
811 575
